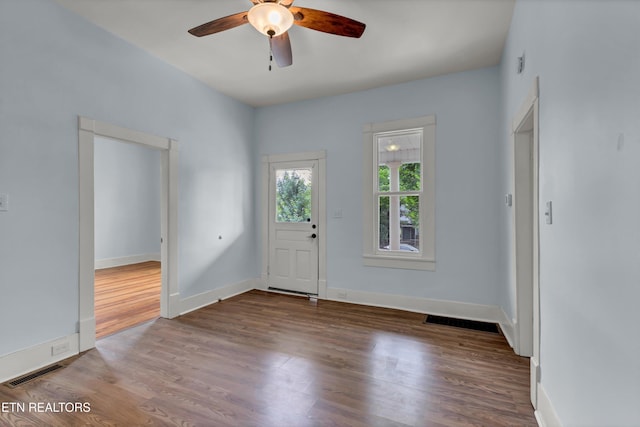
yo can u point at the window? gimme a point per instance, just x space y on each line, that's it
399 194
293 195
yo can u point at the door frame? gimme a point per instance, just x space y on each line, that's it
525 139
88 129
321 158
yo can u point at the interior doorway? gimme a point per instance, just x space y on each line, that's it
127 190
88 131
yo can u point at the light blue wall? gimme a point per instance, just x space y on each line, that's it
127 182
55 66
468 179
587 56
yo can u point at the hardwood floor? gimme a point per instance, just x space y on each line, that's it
261 359
126 296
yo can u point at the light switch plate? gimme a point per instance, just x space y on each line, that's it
548 213
4 202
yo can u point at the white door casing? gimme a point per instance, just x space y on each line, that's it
88 129
526 216
293 259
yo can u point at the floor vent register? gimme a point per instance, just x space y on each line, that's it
462 323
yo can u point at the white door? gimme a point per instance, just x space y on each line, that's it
293 226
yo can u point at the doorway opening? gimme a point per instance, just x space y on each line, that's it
88 131
128 276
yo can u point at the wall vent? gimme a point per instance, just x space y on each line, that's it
32 376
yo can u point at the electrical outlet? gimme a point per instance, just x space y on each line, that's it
342 295
4 202
59 348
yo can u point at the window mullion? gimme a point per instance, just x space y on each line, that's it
398 193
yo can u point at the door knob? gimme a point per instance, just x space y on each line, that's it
313 236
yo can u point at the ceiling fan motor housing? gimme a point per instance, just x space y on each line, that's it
271 19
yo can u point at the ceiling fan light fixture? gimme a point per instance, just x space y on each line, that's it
271 19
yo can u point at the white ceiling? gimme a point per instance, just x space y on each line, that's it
404 40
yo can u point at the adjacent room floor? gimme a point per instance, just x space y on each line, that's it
262 359
126 296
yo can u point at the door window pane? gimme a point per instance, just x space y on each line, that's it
293 195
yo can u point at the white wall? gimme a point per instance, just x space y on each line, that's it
68 67
468 179
586 54
127 200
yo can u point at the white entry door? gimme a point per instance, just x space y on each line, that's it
293 226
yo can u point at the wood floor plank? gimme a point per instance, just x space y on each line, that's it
262 359
126 296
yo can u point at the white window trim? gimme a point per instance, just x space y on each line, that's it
371 255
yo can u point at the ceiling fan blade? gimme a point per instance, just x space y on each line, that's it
281 49
221 24
327 22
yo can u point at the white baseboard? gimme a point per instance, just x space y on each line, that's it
87 334
534 380
22 362
262 283
125 260
508 328
201 300
546 415
322 289
460 310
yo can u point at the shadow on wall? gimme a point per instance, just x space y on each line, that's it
221 199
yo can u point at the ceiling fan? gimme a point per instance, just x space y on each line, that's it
273 18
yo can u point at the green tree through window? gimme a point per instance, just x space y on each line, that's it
409 181
293 197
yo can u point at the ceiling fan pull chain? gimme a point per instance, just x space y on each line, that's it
270 52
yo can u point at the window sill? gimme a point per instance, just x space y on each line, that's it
387 261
